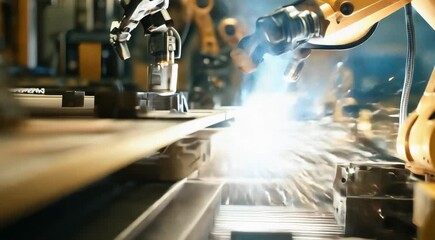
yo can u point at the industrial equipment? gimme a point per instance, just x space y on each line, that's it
150 169
342 25
120 99
214 79
307 25
317 25
164 41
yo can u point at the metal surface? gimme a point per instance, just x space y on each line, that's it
182 158
151 213
367 195
76 153
287 173
123 101
302 224
100 211
177 161
75 103
149 101
189 216
52 105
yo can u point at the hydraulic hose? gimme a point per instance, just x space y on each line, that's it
410 63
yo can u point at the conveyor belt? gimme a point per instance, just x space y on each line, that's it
302 224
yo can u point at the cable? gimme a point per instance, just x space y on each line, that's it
410 63
186 31
177 36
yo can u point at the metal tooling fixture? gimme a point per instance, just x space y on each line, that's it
371 199
121 102
108 102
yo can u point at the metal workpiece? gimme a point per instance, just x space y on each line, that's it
182 158
122 100
179 160
112 101
189 216
374 179
150 101
100 211
287 187
149 215
371 199
301 224
293 193
293 165
68 103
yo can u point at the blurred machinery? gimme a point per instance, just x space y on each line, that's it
130 179
68 50
215 82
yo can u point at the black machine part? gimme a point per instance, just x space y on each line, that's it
372 199
124 101
284 30
260 236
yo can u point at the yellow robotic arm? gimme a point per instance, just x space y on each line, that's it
416 139
333 23
341 24
349 21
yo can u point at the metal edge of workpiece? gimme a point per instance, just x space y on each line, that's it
230 111
65 168
49 101
190 215
209 213
151 213
48 105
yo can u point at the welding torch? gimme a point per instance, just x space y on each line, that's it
312 24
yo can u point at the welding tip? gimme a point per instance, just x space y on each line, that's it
293 71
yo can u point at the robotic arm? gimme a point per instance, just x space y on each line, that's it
317 24
164 44
341 24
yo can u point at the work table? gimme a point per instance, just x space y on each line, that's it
46 159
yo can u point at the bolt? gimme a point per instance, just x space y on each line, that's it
346 8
